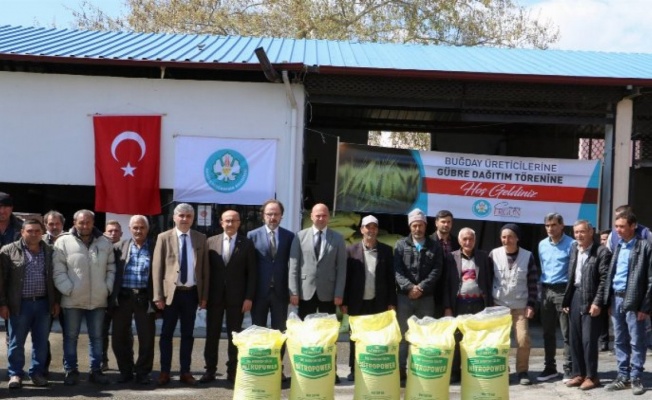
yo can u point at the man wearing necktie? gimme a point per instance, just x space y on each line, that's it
179 276
232 284
317 266
272 244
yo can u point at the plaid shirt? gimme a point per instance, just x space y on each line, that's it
34 280
138 266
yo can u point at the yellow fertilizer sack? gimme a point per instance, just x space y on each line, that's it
376 340
432 345
485 354
259 370
311 345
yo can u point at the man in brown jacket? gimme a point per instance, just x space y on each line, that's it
179 276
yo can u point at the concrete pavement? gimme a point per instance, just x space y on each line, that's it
220 389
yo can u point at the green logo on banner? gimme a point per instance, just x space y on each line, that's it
259 366
377 364
428 367
226 171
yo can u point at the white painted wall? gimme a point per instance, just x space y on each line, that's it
51 117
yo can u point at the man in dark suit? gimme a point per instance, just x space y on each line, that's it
272 244
179 277
448 243
232 284
131 298
370 280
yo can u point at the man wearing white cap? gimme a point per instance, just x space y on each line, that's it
370 284
418 265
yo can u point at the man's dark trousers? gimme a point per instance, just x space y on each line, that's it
183 309
136 305
551 316
234 318
584 334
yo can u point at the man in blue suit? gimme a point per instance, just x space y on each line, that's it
272 245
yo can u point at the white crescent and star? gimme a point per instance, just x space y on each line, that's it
129 135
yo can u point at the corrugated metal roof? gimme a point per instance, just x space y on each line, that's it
369 58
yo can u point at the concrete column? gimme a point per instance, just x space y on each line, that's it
622 152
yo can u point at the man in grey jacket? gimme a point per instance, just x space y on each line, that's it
84 270
317 266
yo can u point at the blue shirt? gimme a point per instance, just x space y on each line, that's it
554 260
619 283
137 269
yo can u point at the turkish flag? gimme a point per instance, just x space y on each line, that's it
127 164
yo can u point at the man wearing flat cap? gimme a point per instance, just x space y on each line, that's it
10 226
418 266
370 284
515 287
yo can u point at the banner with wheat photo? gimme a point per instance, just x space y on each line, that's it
471 186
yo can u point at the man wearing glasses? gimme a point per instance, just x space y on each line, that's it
272 244
231 288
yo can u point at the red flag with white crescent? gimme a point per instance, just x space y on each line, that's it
127 164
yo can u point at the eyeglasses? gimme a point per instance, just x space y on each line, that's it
272 214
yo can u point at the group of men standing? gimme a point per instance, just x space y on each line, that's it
85 274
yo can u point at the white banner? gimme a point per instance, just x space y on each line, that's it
229 171
471 186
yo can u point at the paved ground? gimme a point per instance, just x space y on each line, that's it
221 390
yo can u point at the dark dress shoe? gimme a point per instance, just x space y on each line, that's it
163 378
207 377
337 379
143 379
125 378
230 376
351 377
284 378
188 379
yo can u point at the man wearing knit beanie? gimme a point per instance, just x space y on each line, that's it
515 287
418 263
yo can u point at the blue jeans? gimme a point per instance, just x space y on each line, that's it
94 322
630 342
34 317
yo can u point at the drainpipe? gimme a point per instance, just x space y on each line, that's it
295 150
